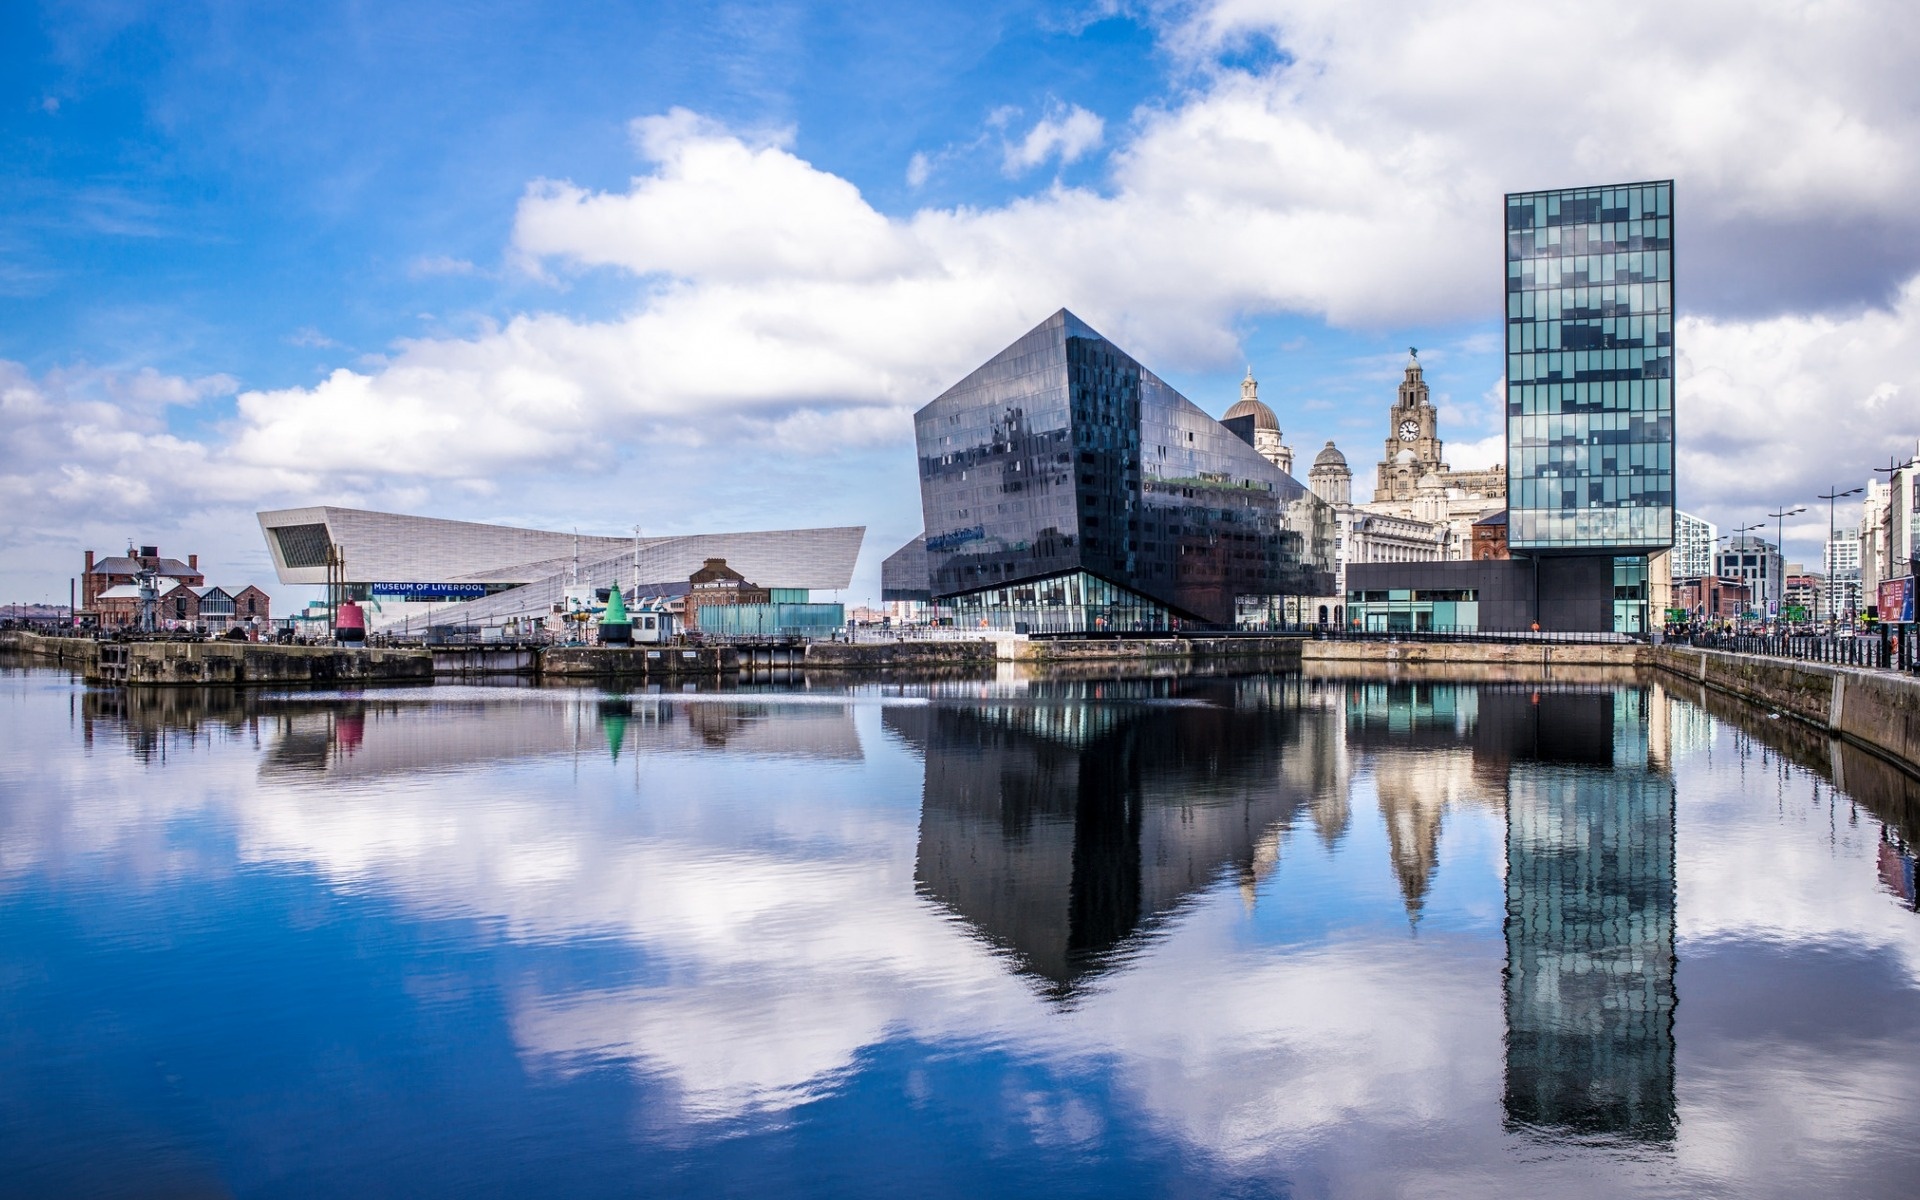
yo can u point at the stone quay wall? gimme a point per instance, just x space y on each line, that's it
1064 650
1499 653
1876 709
77 652
241 664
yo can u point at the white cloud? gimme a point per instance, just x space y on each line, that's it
1783 408
1794 123
718 208
1067 133
96 442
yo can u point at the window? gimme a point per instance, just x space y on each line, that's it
303 545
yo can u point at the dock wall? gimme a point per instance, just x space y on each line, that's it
1510 654
1876 709
233 664
1276 650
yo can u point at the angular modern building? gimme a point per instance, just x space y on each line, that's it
1067 488
424 569
1590 428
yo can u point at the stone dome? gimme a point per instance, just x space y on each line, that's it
1330 457
1404 457
1263 417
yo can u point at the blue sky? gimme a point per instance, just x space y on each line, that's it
694 264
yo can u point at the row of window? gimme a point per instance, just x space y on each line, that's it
1587 435
1620 333
1610 237
1612 395
1590 270
1589 366
1589 206
1591 303
1598 527
1588 491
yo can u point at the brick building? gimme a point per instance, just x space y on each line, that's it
717 583
1712 598
1490 536
121 570
110 591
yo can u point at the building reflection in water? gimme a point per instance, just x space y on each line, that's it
1061 821
1590 916
1583 778
348 739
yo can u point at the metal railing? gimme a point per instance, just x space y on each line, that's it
1889 649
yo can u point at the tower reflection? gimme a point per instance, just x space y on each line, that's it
1581 773
1590 918
1062 821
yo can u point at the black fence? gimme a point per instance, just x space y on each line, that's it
1889 649
1543 637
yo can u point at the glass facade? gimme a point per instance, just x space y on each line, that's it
1630 594
1071 603
1063 460
1590 368
1415 610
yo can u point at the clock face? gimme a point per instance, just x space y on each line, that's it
1408 431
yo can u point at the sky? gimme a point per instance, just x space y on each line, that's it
692 266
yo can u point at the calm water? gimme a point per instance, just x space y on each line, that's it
1191 936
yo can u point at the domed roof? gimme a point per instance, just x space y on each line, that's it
1263 417
1404 457
1330 457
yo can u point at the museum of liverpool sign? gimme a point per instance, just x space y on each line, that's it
429 591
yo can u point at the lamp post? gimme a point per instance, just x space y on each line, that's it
1780 548
1833 608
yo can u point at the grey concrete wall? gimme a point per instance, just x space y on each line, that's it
890 654
1276 649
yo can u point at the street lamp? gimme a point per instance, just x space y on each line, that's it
1833 608
1780 548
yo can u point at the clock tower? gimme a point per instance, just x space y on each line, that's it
1413 439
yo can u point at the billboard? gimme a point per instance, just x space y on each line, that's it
1896 599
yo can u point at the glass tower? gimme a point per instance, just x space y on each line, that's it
1590 369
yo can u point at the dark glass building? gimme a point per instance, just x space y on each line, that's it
1066 488
1590 368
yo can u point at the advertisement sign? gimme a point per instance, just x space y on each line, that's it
432 593
1896 599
